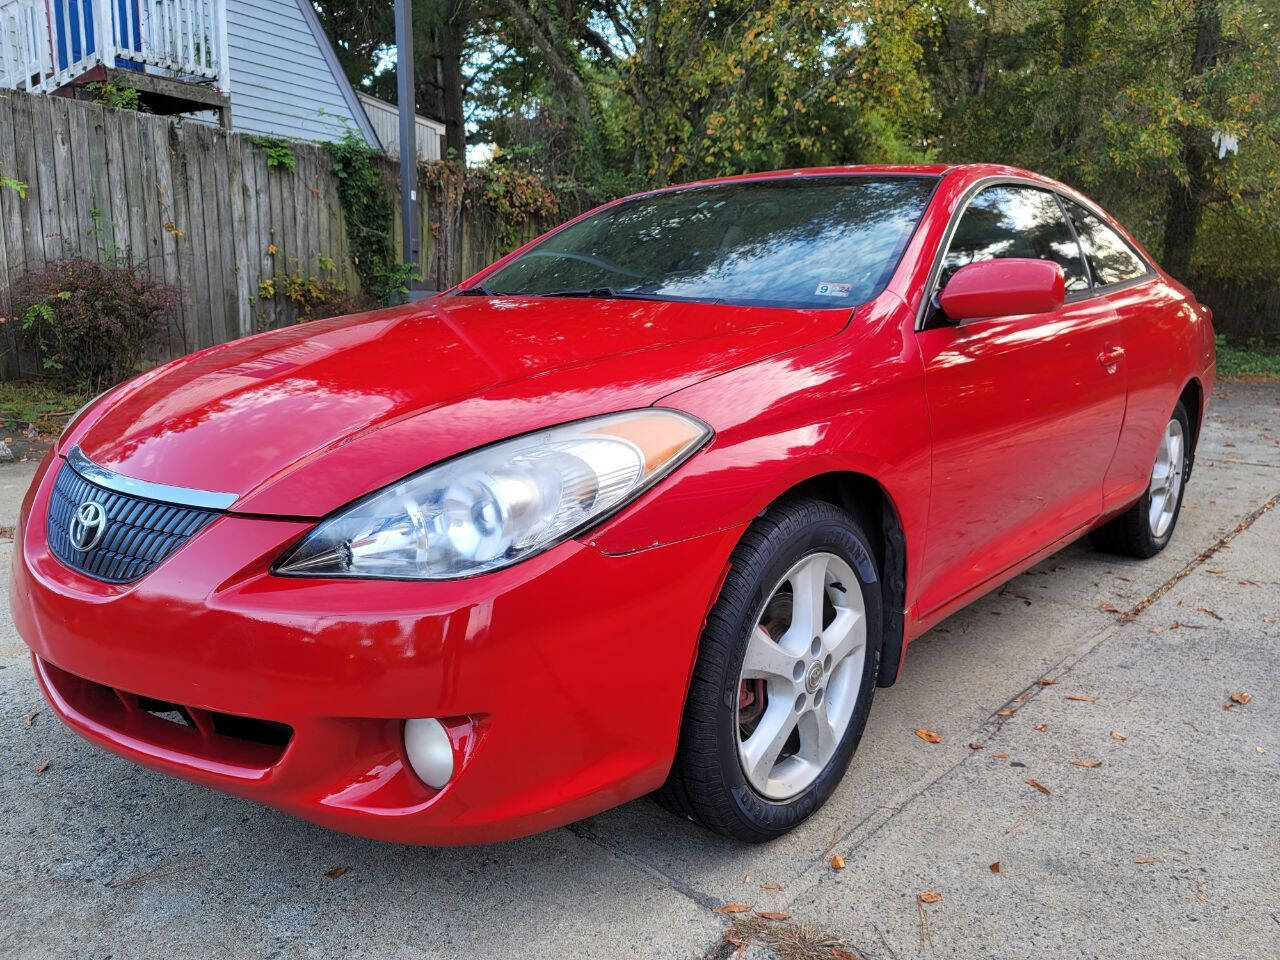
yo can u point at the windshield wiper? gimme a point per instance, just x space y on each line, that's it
479 290
605 293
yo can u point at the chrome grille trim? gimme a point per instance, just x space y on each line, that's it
161 492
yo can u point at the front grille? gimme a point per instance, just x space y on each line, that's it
139 533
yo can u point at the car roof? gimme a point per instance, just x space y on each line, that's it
969 171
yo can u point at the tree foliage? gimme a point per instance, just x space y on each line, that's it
1166 111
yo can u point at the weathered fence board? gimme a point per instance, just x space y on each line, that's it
199 208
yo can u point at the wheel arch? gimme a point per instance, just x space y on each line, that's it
865 498
1192 400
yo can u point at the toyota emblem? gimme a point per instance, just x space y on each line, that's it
88 525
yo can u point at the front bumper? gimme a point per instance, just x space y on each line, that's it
564 676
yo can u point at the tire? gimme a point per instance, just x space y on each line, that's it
1136 532
709 782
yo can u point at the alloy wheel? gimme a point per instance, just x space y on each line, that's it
1166 479
801 676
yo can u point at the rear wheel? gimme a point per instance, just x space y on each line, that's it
1146 528
784 678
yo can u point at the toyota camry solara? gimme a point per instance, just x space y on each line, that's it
654 503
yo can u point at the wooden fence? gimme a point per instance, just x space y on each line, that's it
200 208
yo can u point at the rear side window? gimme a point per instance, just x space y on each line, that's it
1111 260
1013 221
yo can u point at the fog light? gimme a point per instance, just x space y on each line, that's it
430 752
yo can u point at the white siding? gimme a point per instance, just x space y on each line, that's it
281 81
386 121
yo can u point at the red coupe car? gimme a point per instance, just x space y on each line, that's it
654 503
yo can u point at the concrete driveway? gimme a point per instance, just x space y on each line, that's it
1156 834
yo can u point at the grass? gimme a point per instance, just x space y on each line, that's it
1253 361
46 407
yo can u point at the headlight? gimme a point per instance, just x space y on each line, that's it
500 504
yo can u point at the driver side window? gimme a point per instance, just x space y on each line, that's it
1015 221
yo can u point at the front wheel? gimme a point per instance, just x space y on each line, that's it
784 678
1146 528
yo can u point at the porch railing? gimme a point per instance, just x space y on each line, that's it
45 44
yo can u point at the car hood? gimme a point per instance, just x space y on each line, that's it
299 421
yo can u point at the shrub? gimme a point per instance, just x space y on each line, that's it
92 323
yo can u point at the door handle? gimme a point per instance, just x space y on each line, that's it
1110 357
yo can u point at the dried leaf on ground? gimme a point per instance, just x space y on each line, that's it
1108 608
771 886
976 746
1005 712
336 872
930 896
31 718
1000 756
1039 786
42 768
837 862
1146 860
1241 698
928 736
1046 682
1081 698
1217 570
732 908
1042 727
1262 749
773 915
995 867
1090 764
844 955
1209 612
1117 735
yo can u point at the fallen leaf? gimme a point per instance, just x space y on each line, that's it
42 768
1005 712
930 896
995 867
31 718
1081 698
975 746
1262 749
1000 756
732 908
1209 612
1117 735
837 862
1215 570
1241 698
1046 682
1039 786
772 915
771 886
1042 727
1268 620
1146 860
1201 897
928 736
1108 608
336 872
736 941
839 954
1090 764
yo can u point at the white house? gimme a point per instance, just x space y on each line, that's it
261 66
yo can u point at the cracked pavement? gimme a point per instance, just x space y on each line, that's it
1169 848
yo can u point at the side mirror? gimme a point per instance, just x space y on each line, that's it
1003 288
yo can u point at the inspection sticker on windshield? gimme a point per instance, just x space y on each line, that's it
833 290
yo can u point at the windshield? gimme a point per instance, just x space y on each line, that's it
830 241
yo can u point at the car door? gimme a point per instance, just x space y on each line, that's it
1024 411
